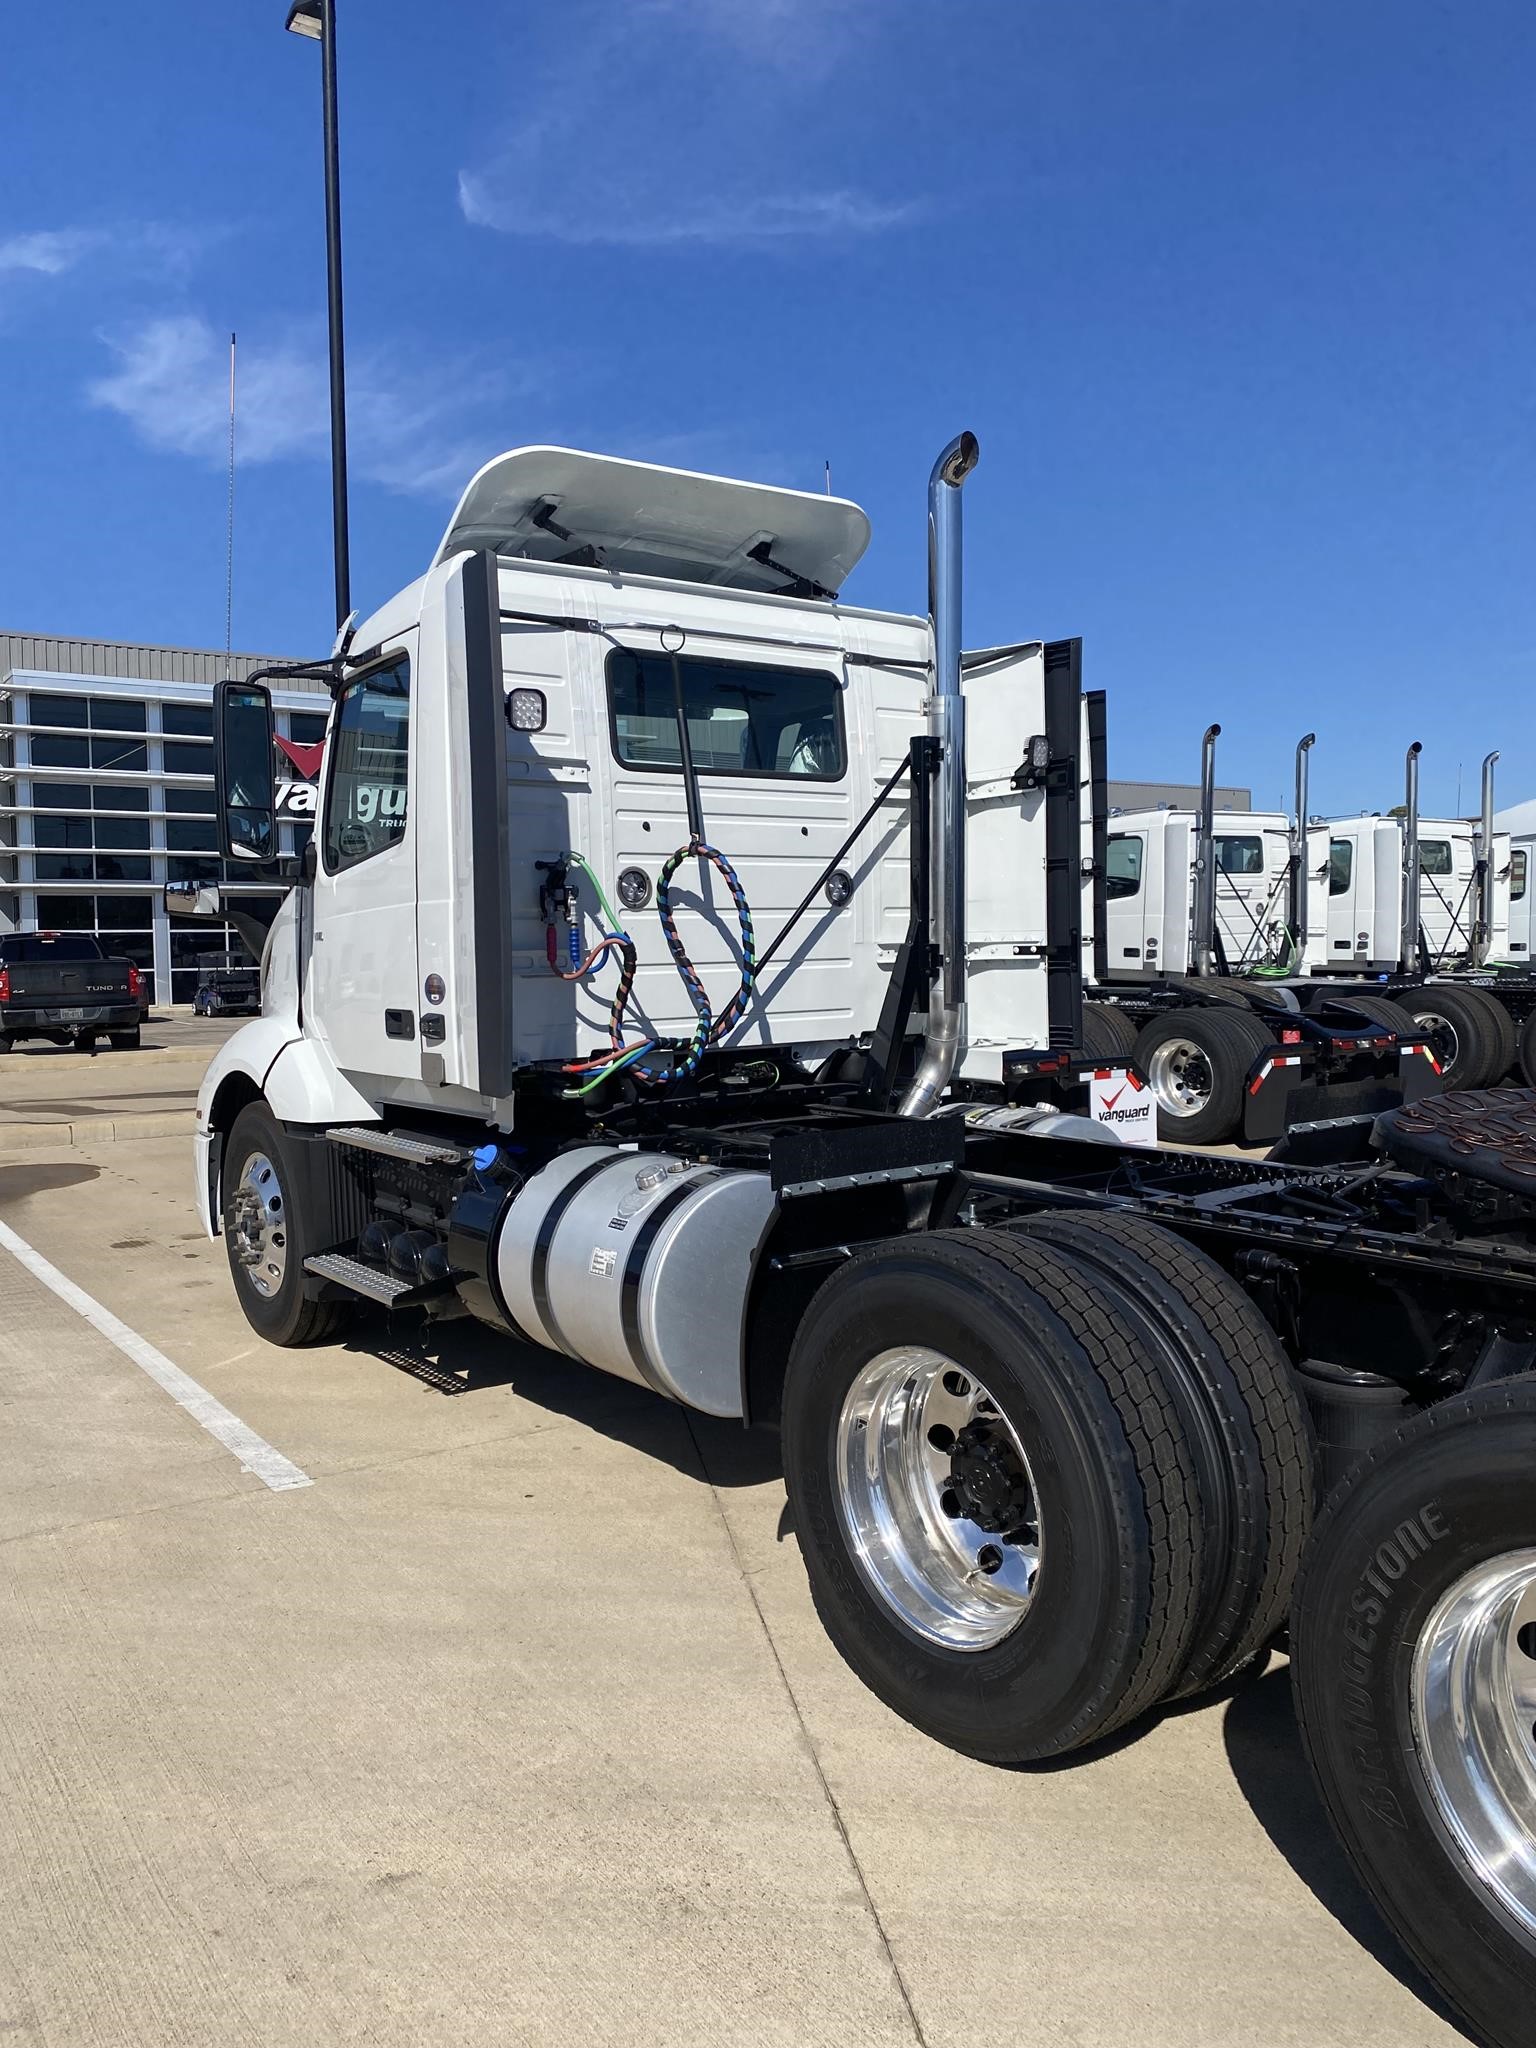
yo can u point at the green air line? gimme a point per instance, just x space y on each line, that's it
615 922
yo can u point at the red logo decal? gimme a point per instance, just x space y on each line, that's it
306 759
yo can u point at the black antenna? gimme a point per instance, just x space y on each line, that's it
229 541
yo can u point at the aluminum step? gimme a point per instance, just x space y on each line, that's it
399 1145
373 1282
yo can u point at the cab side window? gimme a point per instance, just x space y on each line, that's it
365 806
1341 866
1517 874
1122 864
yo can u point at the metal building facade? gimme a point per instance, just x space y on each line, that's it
106 793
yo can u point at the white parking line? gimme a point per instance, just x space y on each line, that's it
256 1455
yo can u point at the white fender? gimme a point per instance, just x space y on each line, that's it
296 1077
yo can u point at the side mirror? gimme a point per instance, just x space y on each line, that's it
244 773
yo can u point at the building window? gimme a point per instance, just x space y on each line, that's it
50 710
61 831
188 757
130 756
62 796
60 750
66 913
122 867
195 949
194 721
115 796
65 867
307 727
190 835
196 802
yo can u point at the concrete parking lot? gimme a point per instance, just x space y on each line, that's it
514 1724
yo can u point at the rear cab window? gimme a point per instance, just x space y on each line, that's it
30 947
1240 856
743 718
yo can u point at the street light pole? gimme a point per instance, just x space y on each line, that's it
316 19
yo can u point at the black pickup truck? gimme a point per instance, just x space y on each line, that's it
61 986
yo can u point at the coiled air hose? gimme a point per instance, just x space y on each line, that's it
708 1028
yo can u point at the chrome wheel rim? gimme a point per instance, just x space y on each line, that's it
1179 1073
1441 1033
937 1499
259 1225
1474 1723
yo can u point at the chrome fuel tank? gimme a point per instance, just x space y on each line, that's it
638 1263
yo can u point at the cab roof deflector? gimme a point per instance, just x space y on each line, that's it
559 505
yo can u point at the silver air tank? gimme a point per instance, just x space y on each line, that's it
638 1263
1300 879
945 1040
1205 857
1482 931
1408 937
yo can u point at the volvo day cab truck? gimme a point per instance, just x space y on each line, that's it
1190 962
1435 912
680 978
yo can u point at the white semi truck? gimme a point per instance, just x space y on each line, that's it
678 979
1191 964
1407 920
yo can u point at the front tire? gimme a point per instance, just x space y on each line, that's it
267 1235
993 1495
1414 1661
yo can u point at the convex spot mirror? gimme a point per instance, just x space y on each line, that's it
244 771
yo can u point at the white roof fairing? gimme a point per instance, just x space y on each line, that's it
555 504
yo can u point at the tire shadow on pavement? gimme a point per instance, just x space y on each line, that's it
464 1356
1264 1750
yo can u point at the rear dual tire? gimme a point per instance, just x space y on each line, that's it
1197 1063
1414 1670
1473 1036
1076 1486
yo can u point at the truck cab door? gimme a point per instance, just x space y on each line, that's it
361 994
1125 901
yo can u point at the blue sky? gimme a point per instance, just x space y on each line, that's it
1239 296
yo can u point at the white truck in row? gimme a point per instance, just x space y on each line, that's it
1209 926
680 978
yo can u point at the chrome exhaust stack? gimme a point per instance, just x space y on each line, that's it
1408 937
1482 930
945 1040
1205 857
1300 879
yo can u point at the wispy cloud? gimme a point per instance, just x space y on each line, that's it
685 122
170 383
49 252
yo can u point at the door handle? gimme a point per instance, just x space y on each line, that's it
399 1024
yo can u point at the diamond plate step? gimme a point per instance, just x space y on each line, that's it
373 1282
398 1145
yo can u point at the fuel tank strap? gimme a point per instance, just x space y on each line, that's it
634 1272
538 1273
